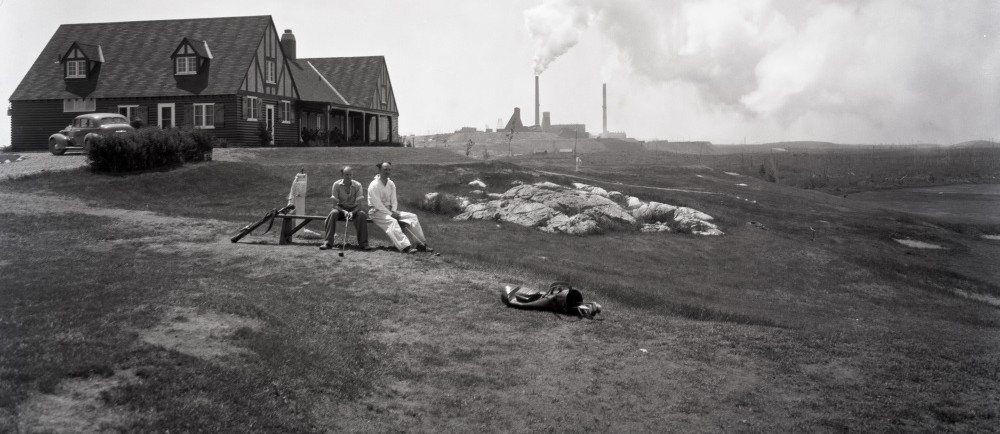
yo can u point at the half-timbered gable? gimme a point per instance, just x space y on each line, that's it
268 91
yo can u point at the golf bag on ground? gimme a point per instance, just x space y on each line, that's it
561 298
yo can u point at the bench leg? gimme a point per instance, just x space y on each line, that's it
285 237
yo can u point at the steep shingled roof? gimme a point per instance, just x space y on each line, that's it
311 85
137 57
356 78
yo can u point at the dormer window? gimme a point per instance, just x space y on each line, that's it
191 56
80 59
76 69
186 65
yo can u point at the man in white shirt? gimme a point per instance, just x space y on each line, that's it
348 195
385 214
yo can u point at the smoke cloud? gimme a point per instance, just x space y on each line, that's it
883 66
556 26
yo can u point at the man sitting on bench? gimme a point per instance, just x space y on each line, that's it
347 195
382 200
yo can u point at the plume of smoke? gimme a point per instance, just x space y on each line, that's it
556 26
883 64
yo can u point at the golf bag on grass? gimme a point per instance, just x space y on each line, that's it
561 298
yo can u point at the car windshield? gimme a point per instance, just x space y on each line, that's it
114 120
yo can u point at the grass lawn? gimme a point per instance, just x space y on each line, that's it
124 306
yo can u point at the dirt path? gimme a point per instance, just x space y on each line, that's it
37 162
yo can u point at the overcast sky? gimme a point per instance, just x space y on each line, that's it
849 71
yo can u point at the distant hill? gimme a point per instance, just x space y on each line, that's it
699 148
805 145
977 144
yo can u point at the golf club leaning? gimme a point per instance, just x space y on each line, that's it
347 223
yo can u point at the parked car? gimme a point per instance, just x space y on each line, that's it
85 128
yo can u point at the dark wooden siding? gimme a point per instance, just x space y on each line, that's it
248 131
32 122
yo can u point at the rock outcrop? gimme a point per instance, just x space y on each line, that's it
584 209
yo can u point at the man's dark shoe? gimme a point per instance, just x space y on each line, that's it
424 248
409 249
366 247
325 246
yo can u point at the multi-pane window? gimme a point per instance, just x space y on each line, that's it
252 108
204 115
76 69
269 72
79 105
129 111
286 112
186 65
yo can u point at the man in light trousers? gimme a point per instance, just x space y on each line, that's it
385 214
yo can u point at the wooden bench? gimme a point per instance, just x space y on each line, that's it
288 226
288 230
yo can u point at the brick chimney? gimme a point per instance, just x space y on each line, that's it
288 44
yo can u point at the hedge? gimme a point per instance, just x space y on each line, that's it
149 148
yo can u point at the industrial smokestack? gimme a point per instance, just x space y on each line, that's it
604 107
537 106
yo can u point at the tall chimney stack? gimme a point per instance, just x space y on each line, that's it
288 44
604 107
537 106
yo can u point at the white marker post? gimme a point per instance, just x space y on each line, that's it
578 161
297 196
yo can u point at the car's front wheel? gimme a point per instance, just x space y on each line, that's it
56 148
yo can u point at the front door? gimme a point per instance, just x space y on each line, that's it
166 115
269 118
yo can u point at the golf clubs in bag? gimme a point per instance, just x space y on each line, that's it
561 298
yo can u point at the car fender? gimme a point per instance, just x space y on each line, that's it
60 139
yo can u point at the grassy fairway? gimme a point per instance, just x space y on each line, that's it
125 306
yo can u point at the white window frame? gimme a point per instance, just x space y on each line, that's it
254 106
76 69
286 111
72 105
207 113
130 111
384 93
270 70
185 65
173 114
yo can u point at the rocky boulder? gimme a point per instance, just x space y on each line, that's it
584 209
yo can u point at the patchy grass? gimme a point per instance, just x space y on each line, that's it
814 321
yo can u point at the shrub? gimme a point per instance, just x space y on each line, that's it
441 203
264 134
149 148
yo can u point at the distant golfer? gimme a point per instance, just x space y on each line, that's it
348 195
384 212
